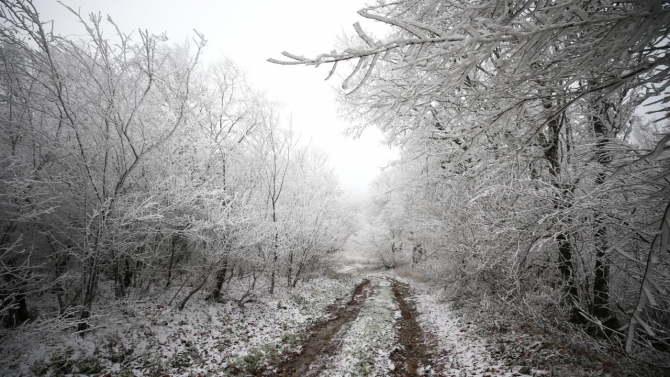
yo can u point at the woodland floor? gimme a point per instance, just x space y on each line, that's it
351 324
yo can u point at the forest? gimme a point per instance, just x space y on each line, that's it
142 186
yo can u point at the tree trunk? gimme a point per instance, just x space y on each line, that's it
274 263
123 277
220 279
193 291
128 276
561 203
301 265
169 274
120 289
290 270
18 312
417 254
89 297
601 309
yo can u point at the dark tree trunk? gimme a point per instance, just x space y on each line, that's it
417 254
123 278
18 313
565 264
13 297
127 275
220 279
119 289
275 252
297 276
193 291
601 309
290 270
89 297
552 152
169 274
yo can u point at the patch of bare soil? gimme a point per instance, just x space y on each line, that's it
318 338
413 358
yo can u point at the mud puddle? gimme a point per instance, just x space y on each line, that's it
412 358
318 340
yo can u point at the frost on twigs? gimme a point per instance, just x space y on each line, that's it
458 39
529 156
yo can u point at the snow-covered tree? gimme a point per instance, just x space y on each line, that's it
514 116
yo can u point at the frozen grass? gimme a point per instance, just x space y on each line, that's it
153 339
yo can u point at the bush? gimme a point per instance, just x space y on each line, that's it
61 362
89 365
39 368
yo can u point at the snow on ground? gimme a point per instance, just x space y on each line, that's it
460 350
153 338
364 349
472 342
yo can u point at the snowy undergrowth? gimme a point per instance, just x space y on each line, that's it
153 339
472 341
368 342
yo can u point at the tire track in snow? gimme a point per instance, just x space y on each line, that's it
412 358
319 342
365 347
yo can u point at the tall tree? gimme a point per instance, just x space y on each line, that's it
511 94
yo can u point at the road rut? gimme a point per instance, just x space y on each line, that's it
412 358
331 348
318 342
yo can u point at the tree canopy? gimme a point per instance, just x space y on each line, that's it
534 151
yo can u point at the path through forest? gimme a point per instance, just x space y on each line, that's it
376 332
390 326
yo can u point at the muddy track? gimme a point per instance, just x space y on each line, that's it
413 358
319 336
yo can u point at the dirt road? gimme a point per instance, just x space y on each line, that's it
386 327
375 333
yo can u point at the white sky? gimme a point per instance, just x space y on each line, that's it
249 32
